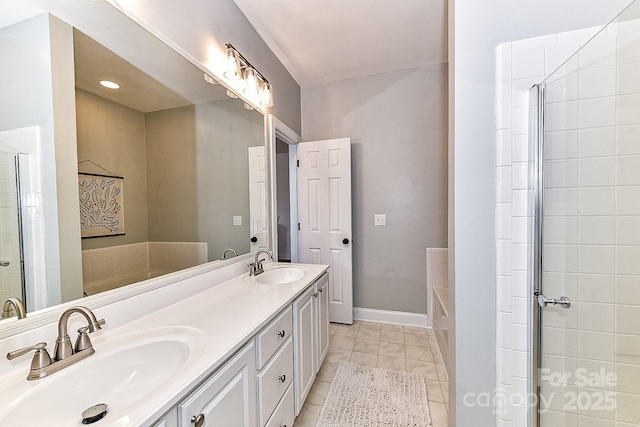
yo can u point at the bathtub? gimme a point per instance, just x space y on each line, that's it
441 321
96 287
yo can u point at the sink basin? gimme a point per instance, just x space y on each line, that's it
280 275
124 372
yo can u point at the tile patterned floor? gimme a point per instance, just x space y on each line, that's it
400 348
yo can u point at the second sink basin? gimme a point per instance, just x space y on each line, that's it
280 275
124 372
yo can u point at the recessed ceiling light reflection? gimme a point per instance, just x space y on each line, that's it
109 84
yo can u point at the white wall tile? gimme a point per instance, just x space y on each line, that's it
627 260
628 109
504 330
598 259
597 201
627 290
562 116
503 148
597 142
561 230
562 54
520 121
596 317
597 230
560 258
503 221
528 63
627 319
596 345
599 52
627 139
504 293
561 173
596 288
503 110
503 184
628 200
503 257
562 87
628 170
628 81
598 112
534 42
519 205
520 148
561 145
519 176
504 366
628 49
561 201
519 230
598 82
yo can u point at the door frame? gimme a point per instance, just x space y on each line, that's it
276 129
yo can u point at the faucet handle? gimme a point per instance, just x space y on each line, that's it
40 359
82 342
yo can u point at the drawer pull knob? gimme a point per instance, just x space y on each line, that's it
198 420
282 378
321 289
281 333
315 295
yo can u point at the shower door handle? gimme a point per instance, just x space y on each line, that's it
544 301
4 263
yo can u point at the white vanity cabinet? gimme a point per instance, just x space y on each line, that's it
311 336
227 398
275 376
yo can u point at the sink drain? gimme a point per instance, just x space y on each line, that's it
95 413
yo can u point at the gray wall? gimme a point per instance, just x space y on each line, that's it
198 174
397 124
476 28
113 136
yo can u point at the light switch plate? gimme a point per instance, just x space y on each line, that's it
237 220
380 219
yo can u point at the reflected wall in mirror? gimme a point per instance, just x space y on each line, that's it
183 147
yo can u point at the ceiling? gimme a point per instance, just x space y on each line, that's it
138 90
330 40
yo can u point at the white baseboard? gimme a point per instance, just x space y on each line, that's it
394 317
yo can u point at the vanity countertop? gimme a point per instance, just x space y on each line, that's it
226 316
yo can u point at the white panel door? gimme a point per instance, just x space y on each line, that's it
324 214
257 198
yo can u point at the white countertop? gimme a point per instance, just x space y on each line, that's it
228 315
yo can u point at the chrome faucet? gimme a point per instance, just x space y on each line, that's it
233 251
64 354
255 267
18 307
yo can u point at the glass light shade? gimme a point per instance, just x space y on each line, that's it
251 81
230 94
232 66
266 95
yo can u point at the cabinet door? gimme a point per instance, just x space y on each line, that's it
322 326
305 364
228 397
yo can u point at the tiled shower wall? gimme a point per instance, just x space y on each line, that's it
519 65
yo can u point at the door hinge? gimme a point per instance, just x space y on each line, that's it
298 163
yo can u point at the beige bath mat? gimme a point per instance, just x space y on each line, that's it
362 396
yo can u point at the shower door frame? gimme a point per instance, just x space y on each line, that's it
536 220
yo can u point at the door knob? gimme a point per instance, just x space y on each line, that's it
345 241
543 301
198 420
254 239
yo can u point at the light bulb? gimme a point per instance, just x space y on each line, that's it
251 81
266 95
232 66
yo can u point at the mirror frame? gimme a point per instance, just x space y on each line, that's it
13 326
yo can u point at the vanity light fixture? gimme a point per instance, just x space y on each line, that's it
109 84
243 76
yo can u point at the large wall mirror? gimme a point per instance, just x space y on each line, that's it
100 187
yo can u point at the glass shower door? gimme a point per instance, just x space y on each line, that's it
588 293
11 273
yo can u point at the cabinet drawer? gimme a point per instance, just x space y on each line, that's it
274 379
271 337
283 416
